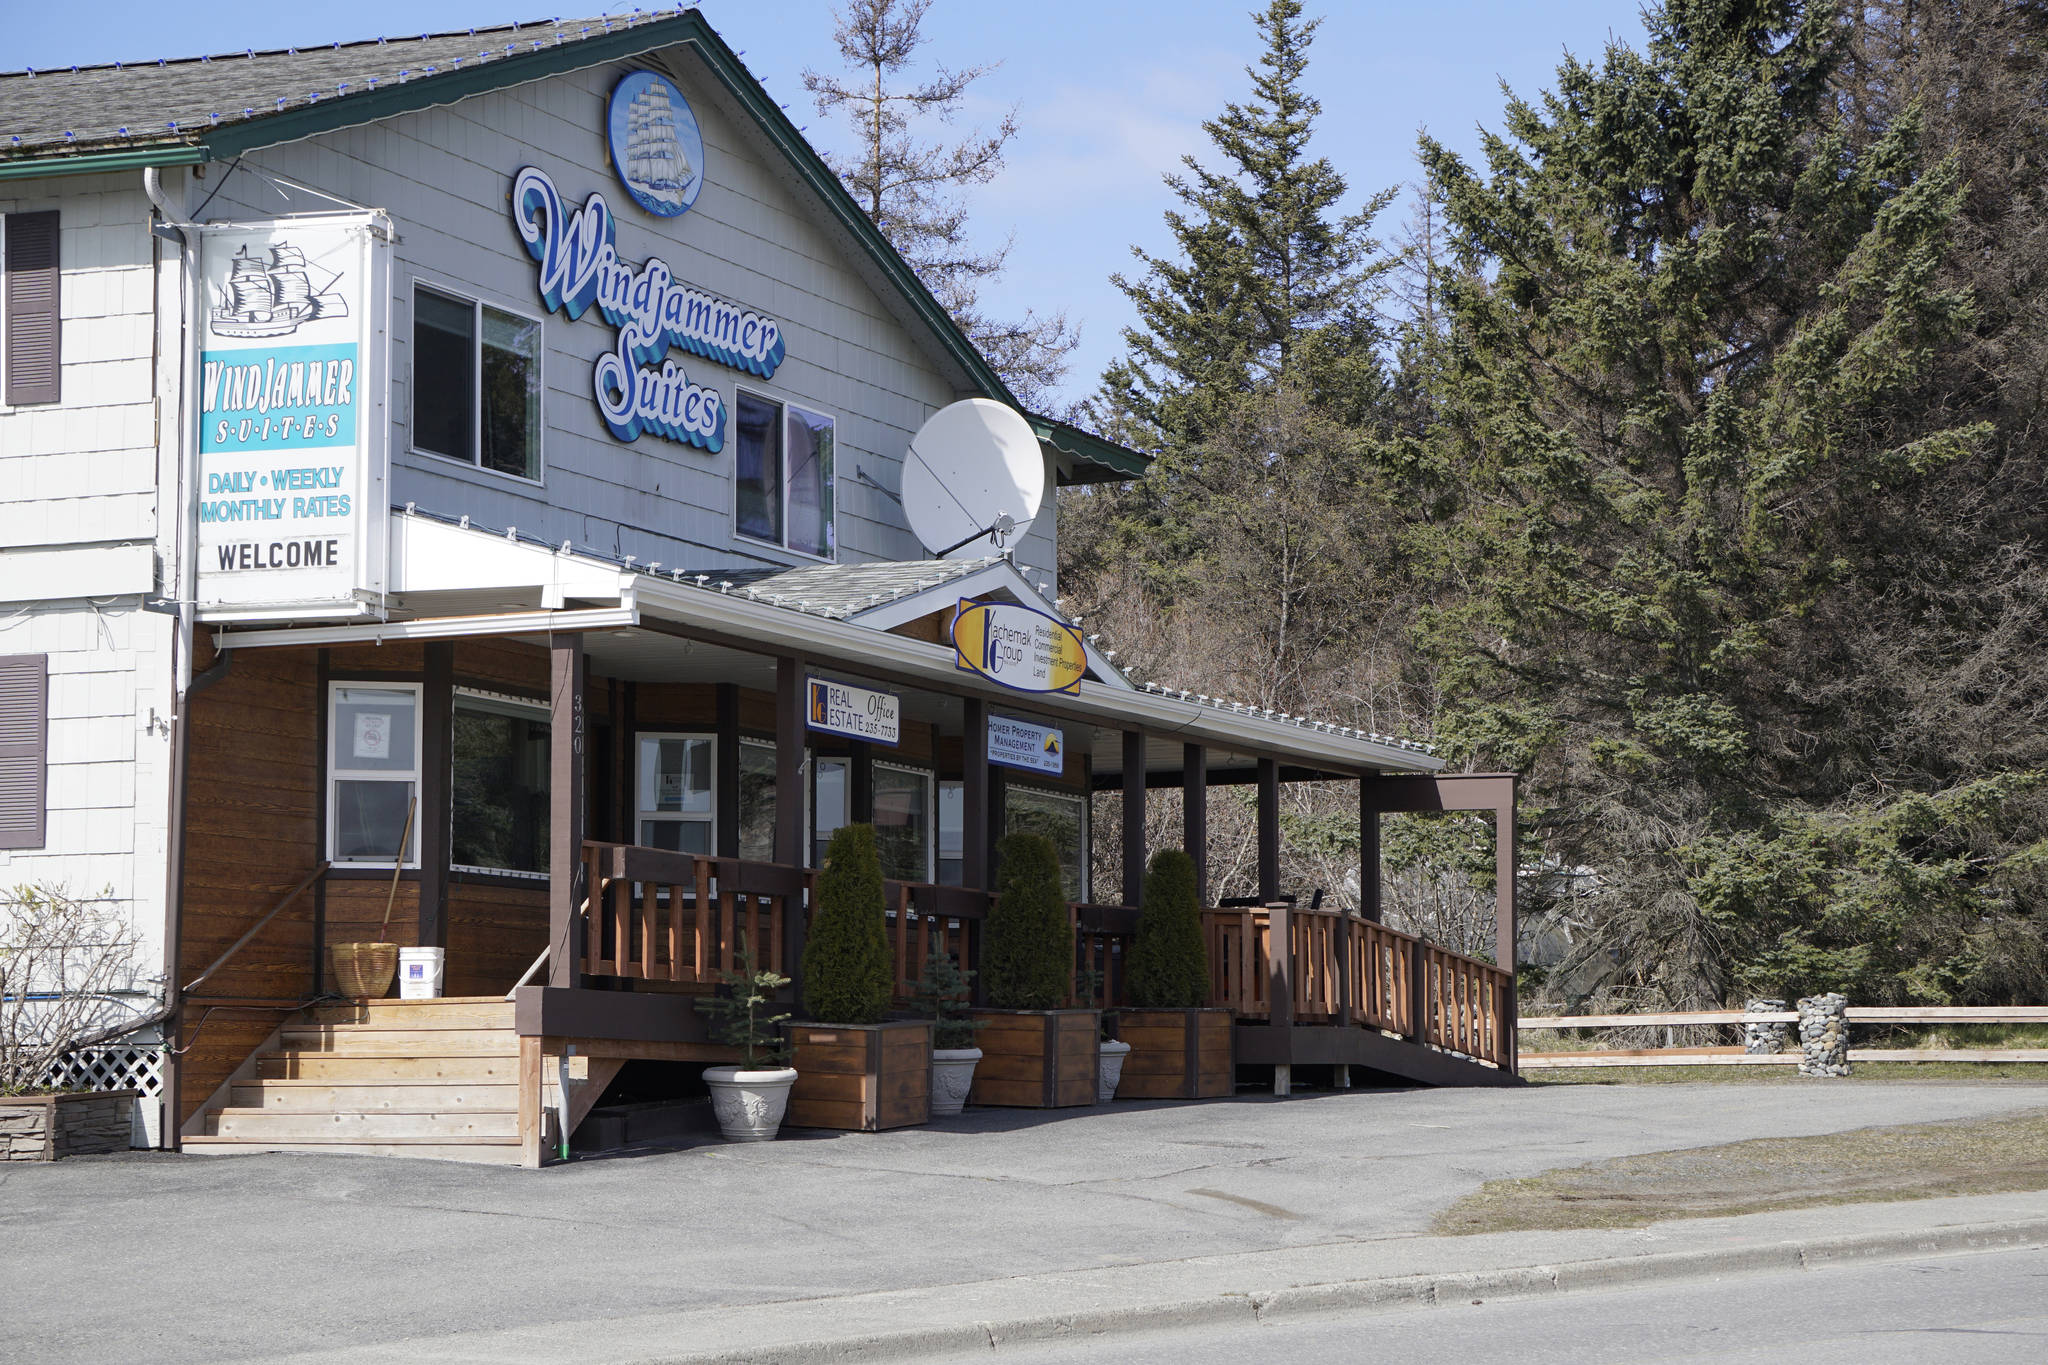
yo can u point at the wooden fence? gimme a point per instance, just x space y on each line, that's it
679 918
1736 1056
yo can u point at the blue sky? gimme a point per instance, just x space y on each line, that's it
1110 94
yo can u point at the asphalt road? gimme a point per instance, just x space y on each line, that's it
1989 1309
223 1258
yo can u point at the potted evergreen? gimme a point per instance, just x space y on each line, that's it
1178 1050
856 1069
749 1099
942 994
1049 1055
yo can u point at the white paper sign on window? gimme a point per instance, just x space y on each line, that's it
373 734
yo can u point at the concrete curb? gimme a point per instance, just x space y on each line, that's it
1381 1294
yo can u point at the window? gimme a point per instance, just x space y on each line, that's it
373 766
903 822
952 821
500 784
831 802
29 307
476 383
675 806
782 475
757 801
1062 819
24 748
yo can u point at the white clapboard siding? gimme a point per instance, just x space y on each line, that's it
83 471
755 236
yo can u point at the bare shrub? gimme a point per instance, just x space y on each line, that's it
62 957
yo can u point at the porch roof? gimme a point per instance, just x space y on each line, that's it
450 581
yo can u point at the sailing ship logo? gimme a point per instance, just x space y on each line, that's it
271 297
656 146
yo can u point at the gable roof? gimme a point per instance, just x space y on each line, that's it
122 116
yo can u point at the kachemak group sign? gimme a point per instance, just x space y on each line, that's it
653 310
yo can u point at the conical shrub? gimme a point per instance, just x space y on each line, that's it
846 958
1027 955
1169 965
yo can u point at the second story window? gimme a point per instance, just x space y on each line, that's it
476 383
782 475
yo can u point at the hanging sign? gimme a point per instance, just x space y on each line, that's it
1021 744
1018 647
654 312
290 478
839 708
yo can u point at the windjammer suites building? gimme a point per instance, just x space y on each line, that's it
457 491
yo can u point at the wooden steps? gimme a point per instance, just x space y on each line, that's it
417 1078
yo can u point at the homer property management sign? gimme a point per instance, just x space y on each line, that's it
290 477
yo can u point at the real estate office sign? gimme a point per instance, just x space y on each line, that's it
291 477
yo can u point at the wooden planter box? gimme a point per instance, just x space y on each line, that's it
81 1123
861 1077
1177 1054
1037 1059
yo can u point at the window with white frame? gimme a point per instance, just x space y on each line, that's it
476 383
952 833
903 822
782 474
831 801
373 773
499 784
676 786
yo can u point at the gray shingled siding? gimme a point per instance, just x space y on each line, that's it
753 237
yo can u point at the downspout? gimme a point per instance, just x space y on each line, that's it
184 595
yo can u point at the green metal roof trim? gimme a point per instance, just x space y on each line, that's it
1097 459
1105 460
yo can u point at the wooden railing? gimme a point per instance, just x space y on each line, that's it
1103 935
1343 968
1888 1016
924 918
681 918
1467 1005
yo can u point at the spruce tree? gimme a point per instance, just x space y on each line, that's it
847 968
1701 410
1269 283
1027 955
1169 963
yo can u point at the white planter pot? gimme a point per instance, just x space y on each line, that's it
952 1077
749 1104
1111 1071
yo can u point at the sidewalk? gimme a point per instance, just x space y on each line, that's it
997 1215
982 1317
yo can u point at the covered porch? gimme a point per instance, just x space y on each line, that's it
619 783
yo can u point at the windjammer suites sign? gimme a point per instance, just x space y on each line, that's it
654 312
290 499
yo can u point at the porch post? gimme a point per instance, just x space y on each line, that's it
974 795
1194 807
1269 830
860 775
1368 852
436 815
726 799
1134 816
1280 989
565 801
1504 942
789 811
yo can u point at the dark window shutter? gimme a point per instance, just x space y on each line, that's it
24 748
32 360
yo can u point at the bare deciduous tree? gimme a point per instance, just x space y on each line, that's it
61 959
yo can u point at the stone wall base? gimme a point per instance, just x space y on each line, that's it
49 1127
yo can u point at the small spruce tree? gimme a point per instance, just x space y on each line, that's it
1028 949
1169 966
942 994
846 959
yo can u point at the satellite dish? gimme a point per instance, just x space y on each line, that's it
973 479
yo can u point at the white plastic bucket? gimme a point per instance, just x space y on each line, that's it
419 972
